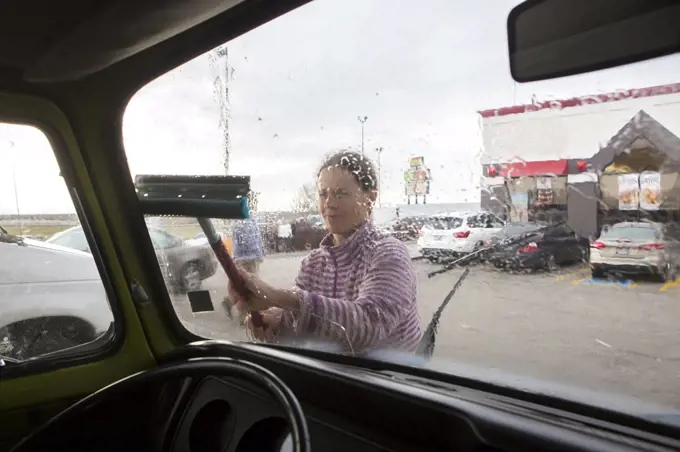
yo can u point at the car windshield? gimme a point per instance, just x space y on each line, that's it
631 233
515 230
352 114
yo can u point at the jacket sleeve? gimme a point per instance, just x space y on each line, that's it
289 318
387 294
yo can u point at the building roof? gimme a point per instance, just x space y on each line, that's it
642 125
636 93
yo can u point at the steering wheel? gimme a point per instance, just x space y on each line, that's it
197 367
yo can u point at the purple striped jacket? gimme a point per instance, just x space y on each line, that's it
362 291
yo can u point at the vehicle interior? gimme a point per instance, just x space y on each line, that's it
148 383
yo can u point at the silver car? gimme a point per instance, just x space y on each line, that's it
635 248
185 264
52 298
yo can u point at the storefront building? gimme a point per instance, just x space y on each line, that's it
590 161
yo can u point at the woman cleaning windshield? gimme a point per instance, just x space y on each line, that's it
358 286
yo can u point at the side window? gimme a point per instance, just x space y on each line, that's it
496 222
564 231
51 298
480 221
473 221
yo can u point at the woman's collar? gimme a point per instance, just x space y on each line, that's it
349 243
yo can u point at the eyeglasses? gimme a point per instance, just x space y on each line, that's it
336 193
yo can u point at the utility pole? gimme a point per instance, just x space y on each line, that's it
379 151
11 159
14 180
362 120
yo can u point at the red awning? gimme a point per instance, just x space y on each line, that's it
545 168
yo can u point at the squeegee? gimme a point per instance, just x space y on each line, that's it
202 197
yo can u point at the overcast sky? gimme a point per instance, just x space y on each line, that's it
297 86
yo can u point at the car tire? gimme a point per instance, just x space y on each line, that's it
669 273
597 273
190 277
550 264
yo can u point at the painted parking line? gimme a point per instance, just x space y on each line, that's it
628 284
670 285
581 276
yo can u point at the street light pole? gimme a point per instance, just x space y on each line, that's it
379 151
362 120
14 179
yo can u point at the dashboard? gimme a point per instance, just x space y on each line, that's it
355 409
229 415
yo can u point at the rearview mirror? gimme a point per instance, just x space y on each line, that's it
556 38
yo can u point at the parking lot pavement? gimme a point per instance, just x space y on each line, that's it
602 335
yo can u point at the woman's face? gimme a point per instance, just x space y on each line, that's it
342 203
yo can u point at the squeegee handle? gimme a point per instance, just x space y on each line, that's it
235 277
228 265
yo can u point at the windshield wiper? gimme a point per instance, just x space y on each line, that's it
427 343
6 237
6 361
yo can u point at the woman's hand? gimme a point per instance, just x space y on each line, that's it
261 296
271 320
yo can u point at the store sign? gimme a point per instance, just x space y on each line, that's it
415 162
650 190
629 191
417 178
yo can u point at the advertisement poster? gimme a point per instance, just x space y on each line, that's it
629 191
417 178
543 183
650 190
520 204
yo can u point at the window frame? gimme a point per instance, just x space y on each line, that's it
112 341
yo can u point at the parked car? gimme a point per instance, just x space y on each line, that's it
200 239
637 248
512 231
456 234
185 264
544 247
52 298
398 230
508 233
38 238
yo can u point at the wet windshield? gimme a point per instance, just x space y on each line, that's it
353 117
